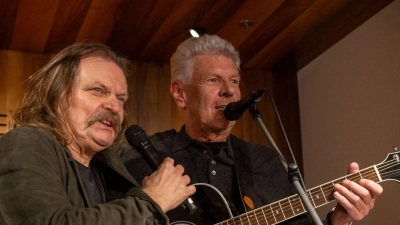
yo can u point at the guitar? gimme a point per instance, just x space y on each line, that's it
214 209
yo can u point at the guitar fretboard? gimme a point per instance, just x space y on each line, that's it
292 206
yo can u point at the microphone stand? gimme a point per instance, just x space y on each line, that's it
293 170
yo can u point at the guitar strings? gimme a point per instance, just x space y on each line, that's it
260 216
246 217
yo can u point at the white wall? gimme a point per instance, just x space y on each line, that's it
350 108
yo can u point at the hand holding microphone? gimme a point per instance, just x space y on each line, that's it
166 185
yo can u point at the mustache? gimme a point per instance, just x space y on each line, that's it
106 115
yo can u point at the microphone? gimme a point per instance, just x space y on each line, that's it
138 139
235 110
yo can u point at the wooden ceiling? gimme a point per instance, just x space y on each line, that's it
150 30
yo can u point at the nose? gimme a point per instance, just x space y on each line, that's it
227 89
113 104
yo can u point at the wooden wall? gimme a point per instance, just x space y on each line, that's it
151 106
15 68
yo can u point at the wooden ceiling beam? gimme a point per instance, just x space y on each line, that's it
67 24
284 15
99 21
213 19
172 30
289 37
33 25
150 30
255 11
139 20
8 14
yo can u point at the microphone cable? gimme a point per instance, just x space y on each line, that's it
254 109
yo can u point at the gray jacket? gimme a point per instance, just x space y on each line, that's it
40 184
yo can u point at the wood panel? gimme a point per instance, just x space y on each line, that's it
67 24
212 18
150 104
8 13
3 82
15 68
254 11
33 24
3 124
246 127
285 92
150 30
179 19
99 21
294 32
284 15
135 18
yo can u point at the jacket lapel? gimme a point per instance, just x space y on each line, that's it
244 171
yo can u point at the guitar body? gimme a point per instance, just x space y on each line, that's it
212 208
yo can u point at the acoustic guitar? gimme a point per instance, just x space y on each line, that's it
214 209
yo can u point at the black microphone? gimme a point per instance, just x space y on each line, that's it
235 110
138 139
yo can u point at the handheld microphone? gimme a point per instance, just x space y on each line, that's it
235 110
138 139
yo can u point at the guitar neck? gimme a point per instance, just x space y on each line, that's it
292 206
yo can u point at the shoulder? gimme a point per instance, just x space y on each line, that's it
260 154
125 150
33 149
128 153
28 135
163 136
29 141
253 147
26 129
163 141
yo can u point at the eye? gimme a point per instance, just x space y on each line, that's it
122 100
212 80
235 81
98 90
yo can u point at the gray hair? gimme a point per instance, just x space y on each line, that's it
181 60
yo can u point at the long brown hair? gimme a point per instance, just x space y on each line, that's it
49 90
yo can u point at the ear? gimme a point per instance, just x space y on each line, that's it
178 94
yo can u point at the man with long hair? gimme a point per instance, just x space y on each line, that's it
57 163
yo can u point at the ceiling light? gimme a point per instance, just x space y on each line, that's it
196 31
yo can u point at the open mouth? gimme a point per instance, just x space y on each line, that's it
107 118
222 107
107 122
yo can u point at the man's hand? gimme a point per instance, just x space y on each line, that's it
167 186
354 200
